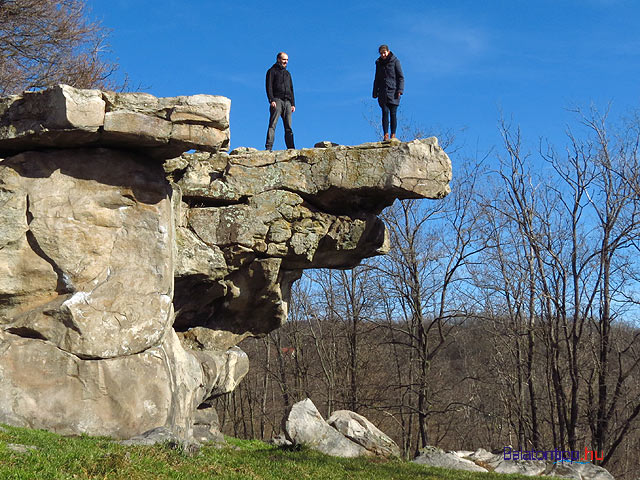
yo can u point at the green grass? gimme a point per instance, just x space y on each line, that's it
86 457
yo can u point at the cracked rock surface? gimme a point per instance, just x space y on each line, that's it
128 274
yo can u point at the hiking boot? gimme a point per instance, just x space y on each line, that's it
393 135
386 137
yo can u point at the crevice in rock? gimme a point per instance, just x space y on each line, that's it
198 201
26 332
61 285
192 230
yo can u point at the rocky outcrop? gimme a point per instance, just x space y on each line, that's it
250 221
128 274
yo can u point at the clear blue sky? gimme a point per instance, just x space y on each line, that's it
464 61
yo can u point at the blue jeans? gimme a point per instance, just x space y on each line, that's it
283 109
389 113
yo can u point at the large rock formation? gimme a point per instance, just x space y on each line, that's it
128 274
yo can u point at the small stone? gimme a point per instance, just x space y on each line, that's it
18 448
437 457
242 150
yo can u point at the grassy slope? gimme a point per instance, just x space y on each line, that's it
84 457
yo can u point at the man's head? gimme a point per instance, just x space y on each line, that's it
383 50
283 59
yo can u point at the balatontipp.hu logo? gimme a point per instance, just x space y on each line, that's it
557 456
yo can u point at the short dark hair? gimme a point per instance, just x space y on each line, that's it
279 54
383 47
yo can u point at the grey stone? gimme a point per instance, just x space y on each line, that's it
19 448
153 437
361 431
578 471
305 426
280 440
45 387
529 468
563 469
242 150
436 457
206 425
163 435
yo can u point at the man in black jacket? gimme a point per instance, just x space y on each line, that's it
281 100
388 86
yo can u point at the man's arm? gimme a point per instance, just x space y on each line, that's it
375 83
399 79
269 86
293 98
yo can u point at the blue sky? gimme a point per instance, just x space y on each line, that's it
464 61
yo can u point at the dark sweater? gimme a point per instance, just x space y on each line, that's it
279 84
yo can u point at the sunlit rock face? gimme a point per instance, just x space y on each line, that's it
129 273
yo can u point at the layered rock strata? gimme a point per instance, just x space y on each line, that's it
64 116
128 275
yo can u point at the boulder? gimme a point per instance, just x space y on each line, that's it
305 426
361 431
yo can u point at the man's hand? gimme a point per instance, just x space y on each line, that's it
293 108
398 94
273 104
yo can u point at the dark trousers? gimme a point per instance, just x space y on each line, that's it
389 113
283 109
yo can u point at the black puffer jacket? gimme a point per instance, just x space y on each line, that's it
389 80
279 84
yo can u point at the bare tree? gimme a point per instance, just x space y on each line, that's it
45 42
427 270
617 211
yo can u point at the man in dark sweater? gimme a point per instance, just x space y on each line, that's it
281 100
